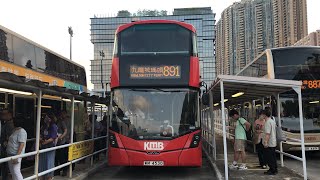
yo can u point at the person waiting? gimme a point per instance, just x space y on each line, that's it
16 146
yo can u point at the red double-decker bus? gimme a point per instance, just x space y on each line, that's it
155 96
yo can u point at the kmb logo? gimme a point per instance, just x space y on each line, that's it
156 146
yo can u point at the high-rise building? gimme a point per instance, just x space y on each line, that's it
313 39
102 36
290 21
248 27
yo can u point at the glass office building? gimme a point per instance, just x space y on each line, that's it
103 30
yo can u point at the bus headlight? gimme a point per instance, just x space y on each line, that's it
195 140
113 140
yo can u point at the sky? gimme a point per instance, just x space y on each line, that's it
46 22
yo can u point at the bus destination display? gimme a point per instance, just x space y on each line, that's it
155 72
310 84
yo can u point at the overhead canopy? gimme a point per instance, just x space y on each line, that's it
251 87
20 83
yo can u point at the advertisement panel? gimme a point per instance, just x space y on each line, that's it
80 149
31 74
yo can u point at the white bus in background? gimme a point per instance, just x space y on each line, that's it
291 63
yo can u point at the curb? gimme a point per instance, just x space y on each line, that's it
214 166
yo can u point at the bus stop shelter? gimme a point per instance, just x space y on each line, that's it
10 83
231 90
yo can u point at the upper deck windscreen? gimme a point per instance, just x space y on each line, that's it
297 63
155 38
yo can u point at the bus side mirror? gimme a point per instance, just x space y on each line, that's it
205 99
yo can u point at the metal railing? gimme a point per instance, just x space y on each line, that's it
53 149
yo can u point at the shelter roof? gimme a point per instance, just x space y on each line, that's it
252 88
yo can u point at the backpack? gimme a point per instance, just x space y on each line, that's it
279 133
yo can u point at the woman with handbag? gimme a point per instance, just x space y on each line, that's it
257 138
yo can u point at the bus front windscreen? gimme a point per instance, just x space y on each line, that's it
154 113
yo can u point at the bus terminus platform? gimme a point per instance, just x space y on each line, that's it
222 95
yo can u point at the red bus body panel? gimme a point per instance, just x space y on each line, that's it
194 79
115 81
176 152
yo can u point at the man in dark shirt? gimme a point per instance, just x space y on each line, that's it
63 138
6 130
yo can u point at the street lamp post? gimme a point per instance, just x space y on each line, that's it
71 35
102 56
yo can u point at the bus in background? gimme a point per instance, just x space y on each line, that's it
155 96
292 63
23 57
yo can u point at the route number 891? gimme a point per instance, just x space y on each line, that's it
171 71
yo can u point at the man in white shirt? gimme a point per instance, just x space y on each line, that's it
270 144
16 146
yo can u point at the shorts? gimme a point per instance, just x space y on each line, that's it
239 145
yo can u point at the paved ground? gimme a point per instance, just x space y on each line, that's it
313 164
253 171
175 173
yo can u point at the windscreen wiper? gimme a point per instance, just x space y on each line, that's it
158 89
168 90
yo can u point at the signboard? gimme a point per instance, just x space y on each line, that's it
149 70
155 72
31 74
80 149
310 84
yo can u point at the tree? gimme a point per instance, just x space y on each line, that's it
148 12
123 13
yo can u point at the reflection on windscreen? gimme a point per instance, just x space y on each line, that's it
154 113
155 38
290 115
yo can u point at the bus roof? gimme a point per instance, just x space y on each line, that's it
295 47
38 45
185 25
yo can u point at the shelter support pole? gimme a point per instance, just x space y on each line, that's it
208 132
93 110
253 114
279 124
36 164
110 111
6 100
304 164
263 105
214 152
71 132
224 132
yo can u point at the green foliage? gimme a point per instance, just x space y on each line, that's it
123 13
144 12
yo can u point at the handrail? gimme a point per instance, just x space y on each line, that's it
17 156
47 150
289 155
32 139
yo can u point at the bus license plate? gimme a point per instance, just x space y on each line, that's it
153 163
312 148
